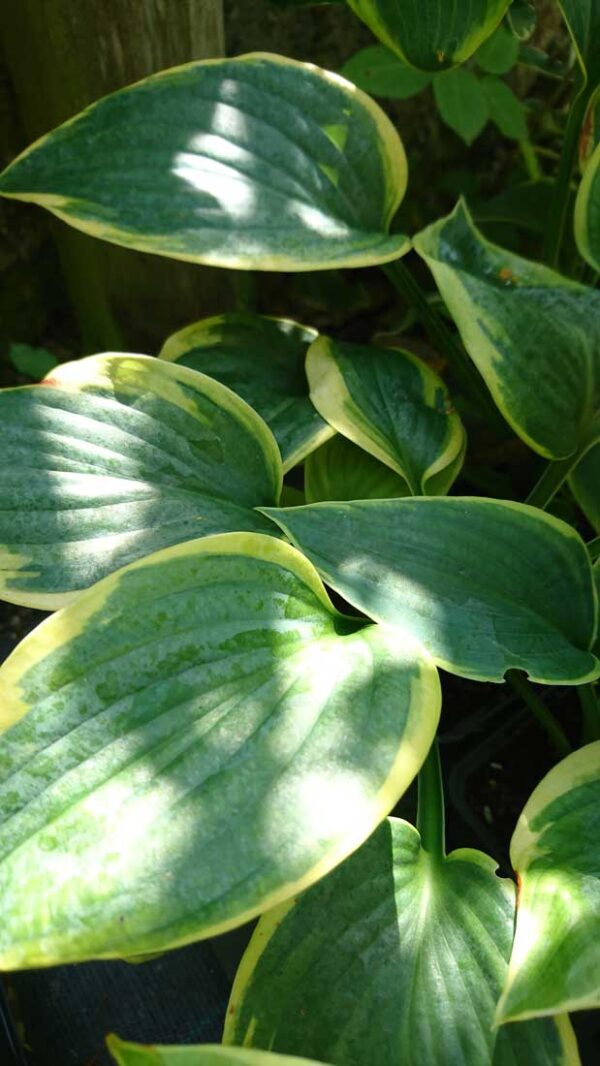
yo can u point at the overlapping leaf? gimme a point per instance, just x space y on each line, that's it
392 959
587 211
485 585
258 162
532 333
555 963
262 359
198 737
431 34
127 1054
585 485
340 470
114 457
393 406
583 20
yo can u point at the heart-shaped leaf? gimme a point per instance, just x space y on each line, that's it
431 34
532 334
394 959
340 470
198 737
555 851
126 1054
485 585
587 211
114 457
258 162
262 359
391 404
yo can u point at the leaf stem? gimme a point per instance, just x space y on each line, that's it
538 708
562 185
441 337
590 713
593 546
553 476
430 806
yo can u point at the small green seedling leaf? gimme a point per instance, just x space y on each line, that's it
485 585
393 406
262 359
126 1054
555 964
196 738
511 313
499 53
462 103
506 110
114 457
340 470
258 162
431 35
584 483
34 362
434 940
379 71
587 212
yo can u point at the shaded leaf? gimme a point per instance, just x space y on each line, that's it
485 585
114 457
262 359
584 482
587 211
126 1054
506 110
392 405
431 35
498 54
462 103
379 71
340 470
531 332
424 944
258 162
195 739
35 362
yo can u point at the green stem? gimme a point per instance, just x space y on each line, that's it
430 806
590 713
562 186
441 337
593 546
554 475
538 708
532 166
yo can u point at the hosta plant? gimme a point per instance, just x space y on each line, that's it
240 679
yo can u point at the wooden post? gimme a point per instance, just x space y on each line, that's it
62 55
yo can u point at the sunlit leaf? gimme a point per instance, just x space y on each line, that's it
262 359
407 954
555 963
587 211
379 71
431 34
126 1054
114 457
340 470
195 739
485 585
258 162
532 333
392 405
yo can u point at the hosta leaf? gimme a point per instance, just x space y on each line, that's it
555 849
262 359
587 211
431 34
532 333
380 72
258 162
584 482
583 20
407 955
391 404
340 470
485 585
126 1054
462 103
196 738
114 457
